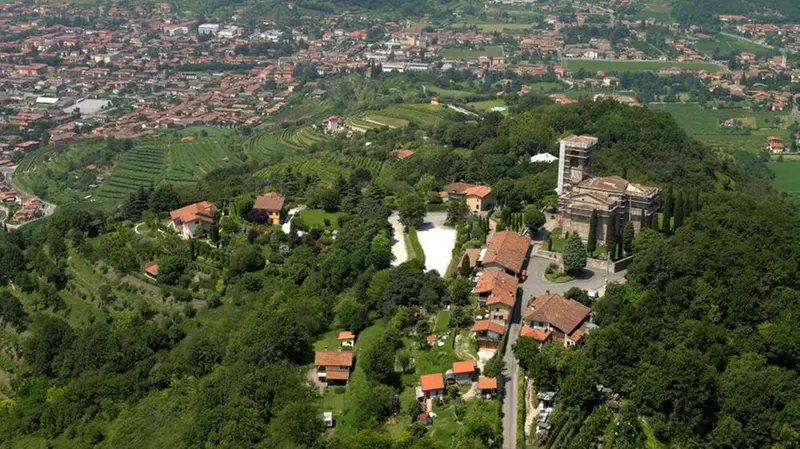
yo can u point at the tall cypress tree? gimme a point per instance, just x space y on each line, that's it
591 239
642 221
680 210
669 206
611 235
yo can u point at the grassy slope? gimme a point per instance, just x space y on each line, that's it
636 66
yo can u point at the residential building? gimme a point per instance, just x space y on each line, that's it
347 339
334 124
497 291
488 333
267 208
431 386
775 145
151 270
487 386
506 251
193 220
333 366
541 336
208 29
478 197
566 320
463 372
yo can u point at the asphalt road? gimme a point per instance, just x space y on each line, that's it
511 398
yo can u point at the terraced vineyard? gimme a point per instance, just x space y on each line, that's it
284 142
190 161
353 162
326 171
141 167
370 121
423 114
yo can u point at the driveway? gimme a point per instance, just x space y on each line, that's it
537 284
398 240
437 241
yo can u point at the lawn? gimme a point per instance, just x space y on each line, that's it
328 340
448 93
704 125
315 218
787 175
466 53
442 321
595 65
333 400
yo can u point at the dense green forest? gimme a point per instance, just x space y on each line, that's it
701 344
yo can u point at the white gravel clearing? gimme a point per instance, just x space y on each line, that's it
437 241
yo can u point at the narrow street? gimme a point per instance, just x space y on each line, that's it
511 398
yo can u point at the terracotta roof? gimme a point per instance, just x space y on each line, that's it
402 154
501 287
488 325
202 211
487 383
337 375
535 334
582 140
333 358
472 254
563 314
151 268
507 249
479 191
431 382
464 367
270 201
346 335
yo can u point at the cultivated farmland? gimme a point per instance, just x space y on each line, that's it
596 65
141 167
283 142
190 161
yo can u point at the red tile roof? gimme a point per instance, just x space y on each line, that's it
535 334
564 314
464 367
488 325
151 268
203 211
431 382
333 358
337 375
507 249
487 383
479 191
500 286
270 201
346 335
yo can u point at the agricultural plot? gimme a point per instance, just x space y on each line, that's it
422 114
325 171
596 65
190 161
283 142
141 167
354 162
705 125
722 44
787 175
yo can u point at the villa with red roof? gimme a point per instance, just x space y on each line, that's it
506 251
488 333
347 339
463 372
431 386
478 197
553 317
497 291
333 366
193 220
267 208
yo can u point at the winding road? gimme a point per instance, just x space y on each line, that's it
47 208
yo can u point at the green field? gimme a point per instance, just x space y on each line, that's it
704 125
423 114
726 44
594 65
787 175
658 9
504 27
465 53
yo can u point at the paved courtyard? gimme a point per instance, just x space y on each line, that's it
437 241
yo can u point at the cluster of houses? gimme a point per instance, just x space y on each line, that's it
26 208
